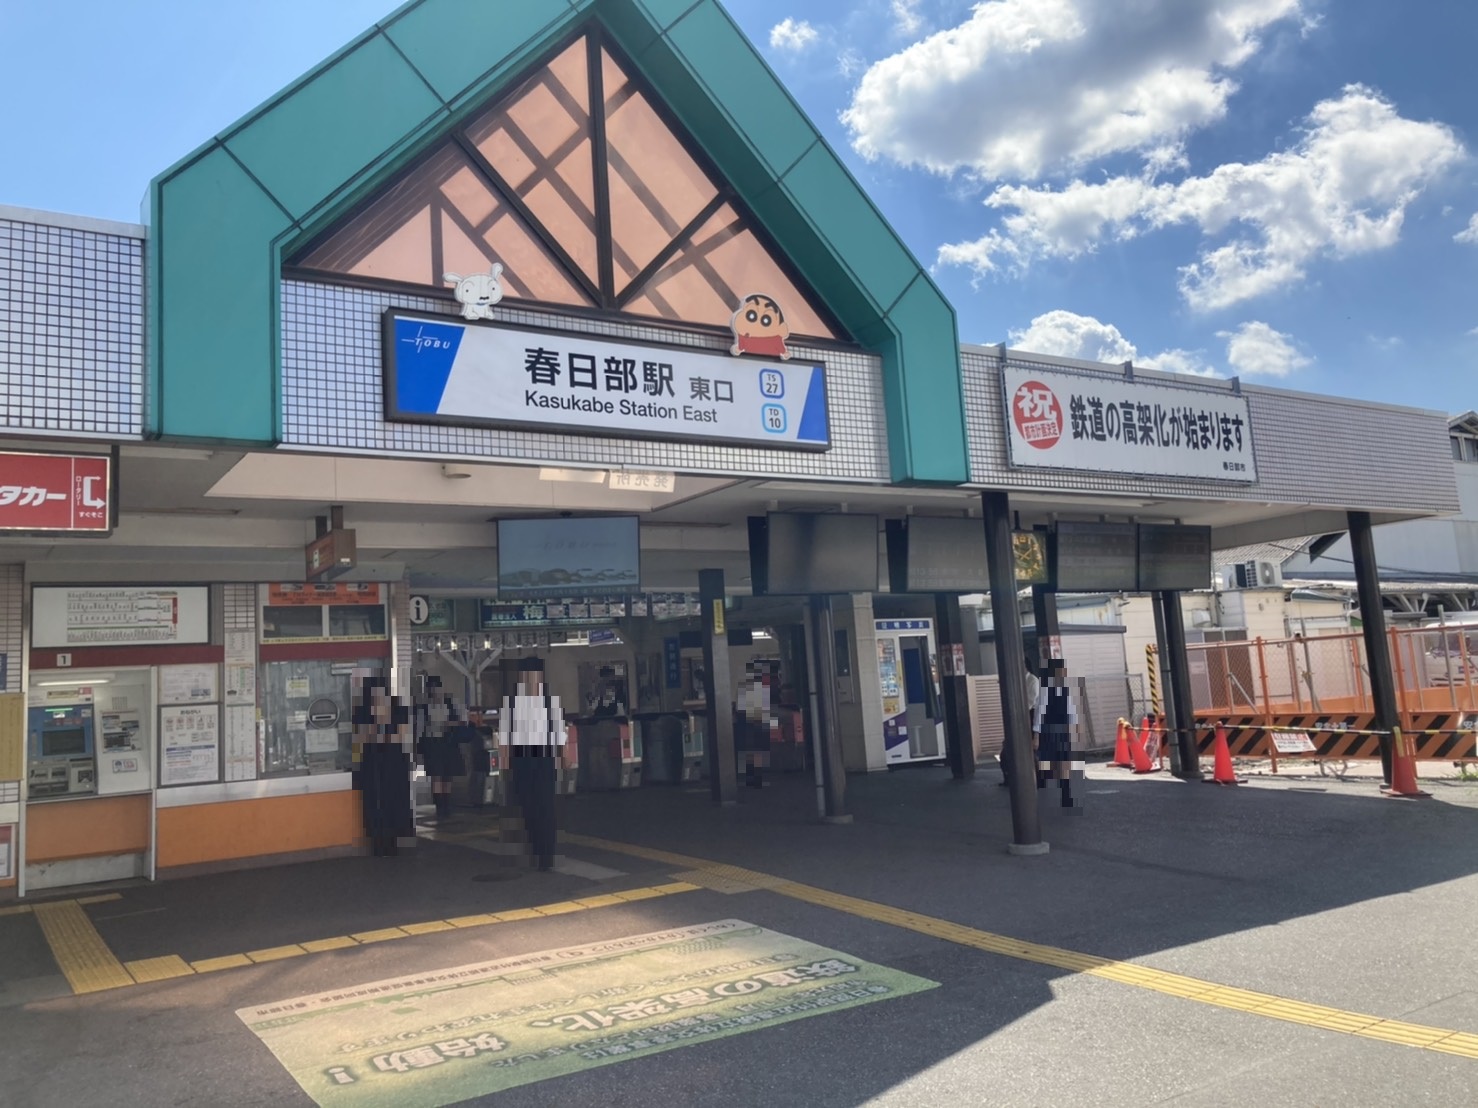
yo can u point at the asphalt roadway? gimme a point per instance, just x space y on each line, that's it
1291 941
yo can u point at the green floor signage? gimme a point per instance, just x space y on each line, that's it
435 1038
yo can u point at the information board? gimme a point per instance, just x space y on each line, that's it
190 745
193 683
1174 558
1095 557
62 617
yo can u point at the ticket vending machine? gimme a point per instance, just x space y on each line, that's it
63 758
913 706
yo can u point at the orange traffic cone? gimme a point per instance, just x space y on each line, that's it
1145 736
1143 763
1224 774
1403 767
1121 747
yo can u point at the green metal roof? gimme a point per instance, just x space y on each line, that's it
223 218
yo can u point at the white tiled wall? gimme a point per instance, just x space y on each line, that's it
332 396
71 329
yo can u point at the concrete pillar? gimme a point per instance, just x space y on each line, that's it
955 685
1026 818
833 772
717 686
1373 624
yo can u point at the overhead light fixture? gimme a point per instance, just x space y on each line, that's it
75 683
455 472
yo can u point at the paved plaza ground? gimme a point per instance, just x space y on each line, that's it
1298 940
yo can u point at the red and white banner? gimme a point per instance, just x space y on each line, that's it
1103 423
55 492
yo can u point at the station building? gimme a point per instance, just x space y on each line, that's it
556 264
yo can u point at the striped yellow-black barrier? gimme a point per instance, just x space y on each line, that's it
1437 738
1152 670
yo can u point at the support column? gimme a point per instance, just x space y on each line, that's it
717 683
1026 819
829 739
959 737
1186 758
1373 624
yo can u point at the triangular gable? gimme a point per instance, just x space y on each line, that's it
614 209
224 220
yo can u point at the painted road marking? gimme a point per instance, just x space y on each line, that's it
539 1015
80 953
1270 1006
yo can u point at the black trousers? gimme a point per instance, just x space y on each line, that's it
533 792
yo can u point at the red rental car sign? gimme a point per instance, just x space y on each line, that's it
55 492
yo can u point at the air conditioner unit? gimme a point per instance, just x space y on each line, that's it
1257 575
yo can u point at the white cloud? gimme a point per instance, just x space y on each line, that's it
1341 190
1468 234
1255 349
1024 88
850 63
792 34
1065 334
906 18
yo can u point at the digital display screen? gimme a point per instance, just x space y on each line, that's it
1095 557
1174 558
928 554
568 557
63 742
814 554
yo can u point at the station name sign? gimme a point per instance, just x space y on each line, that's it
441 370
1058 419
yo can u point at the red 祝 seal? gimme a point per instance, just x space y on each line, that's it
1037 415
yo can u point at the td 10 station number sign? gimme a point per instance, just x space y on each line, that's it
1105 424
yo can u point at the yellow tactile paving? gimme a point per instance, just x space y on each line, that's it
84 959
100 898
318 946
475 921
229 961
1128 973
428 928
276 953
559 908
381 935
158 969
16 910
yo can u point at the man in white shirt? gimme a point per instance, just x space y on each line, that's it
531 733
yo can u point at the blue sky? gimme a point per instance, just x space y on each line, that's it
1277 188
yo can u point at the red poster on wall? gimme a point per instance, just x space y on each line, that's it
55 492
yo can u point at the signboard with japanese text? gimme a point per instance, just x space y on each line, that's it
450 1035
1057 419
441 370
105 616
56 492
316 596
190 745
